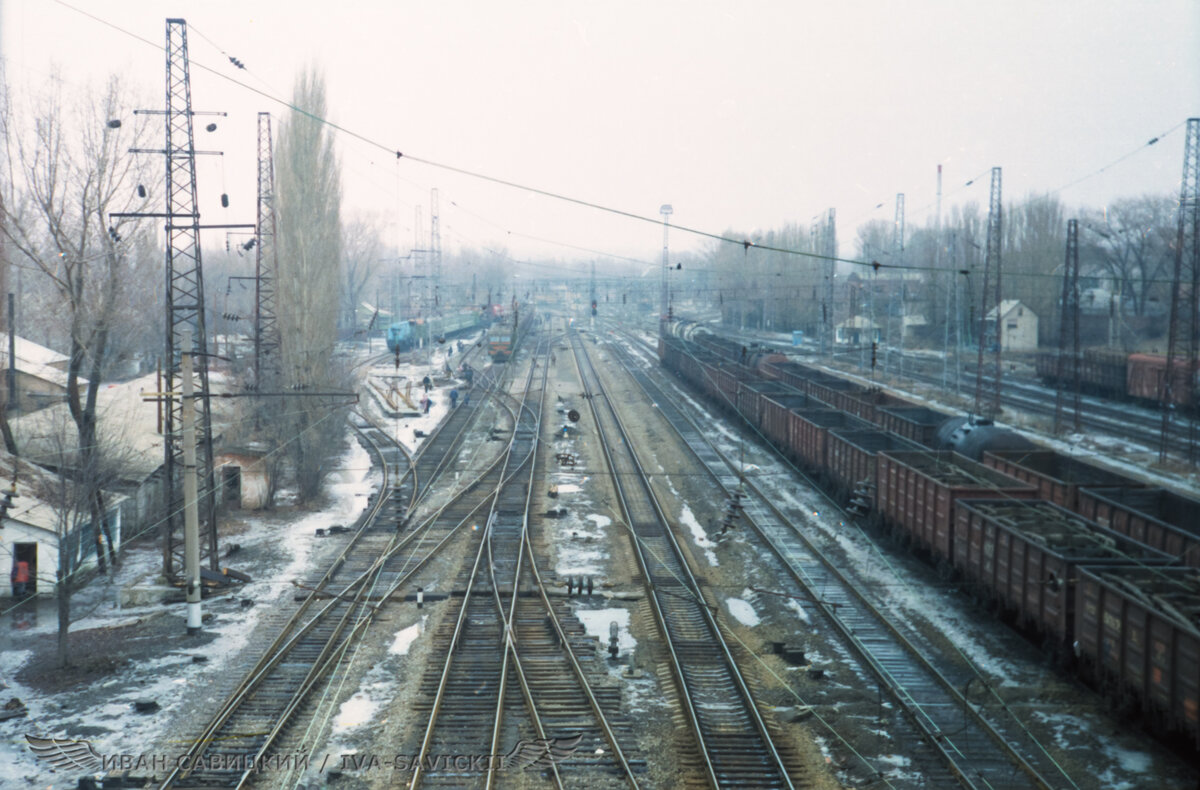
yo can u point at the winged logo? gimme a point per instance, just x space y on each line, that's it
541 752
63 753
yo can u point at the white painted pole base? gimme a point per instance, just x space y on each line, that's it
193 618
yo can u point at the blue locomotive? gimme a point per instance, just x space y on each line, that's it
405 335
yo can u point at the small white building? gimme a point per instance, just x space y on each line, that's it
857 331
1018 326
34 525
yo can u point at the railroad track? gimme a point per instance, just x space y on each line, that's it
505 638
386 550
1121 420
980 751
735 746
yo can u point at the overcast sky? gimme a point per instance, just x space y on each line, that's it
742 115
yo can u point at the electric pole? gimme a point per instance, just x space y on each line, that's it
665 210
435 239
191 495
898 259
830 253
266 331
185 324
991 267
1184 280
1069 314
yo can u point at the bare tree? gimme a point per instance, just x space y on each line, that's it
361 253
74 493
1136 237
71 171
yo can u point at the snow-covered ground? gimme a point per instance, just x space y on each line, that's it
104 714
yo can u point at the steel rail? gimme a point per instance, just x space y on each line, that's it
691 584
936 736
289 636
460 621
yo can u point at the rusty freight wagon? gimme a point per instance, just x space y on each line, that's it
915 493
918 423
795 374
1137 636
750 396
1058 477
777 417
851 457
809 429
1026 556
1158 517
868 403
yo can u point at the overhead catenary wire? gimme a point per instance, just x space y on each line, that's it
745 242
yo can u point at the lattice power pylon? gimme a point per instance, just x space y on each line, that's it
991 268
1068 325
830 253
1185 299
435 246
185 312
898 259
266 329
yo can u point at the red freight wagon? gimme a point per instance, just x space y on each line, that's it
796 374
1025 554
777 417
838 393
915 493
918 423
1158 517
727 382
867 403
1137 638
1147 375
750 397
1058 477
809 429
850 456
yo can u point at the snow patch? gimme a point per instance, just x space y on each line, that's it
743 611
598 622
699 536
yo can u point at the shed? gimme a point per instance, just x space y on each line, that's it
1018 326
857 331
31 528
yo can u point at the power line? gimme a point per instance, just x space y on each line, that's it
746 243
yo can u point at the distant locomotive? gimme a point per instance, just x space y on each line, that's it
405 335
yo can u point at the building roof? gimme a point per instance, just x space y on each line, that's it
124 418
1006 307
858 322
36 360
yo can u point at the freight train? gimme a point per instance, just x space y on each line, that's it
1103 570
1115 374
405 335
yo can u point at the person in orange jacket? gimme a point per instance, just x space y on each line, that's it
20 578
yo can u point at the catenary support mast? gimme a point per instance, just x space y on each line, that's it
185 312
1184 299
266 330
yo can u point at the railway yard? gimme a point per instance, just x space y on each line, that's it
592 573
